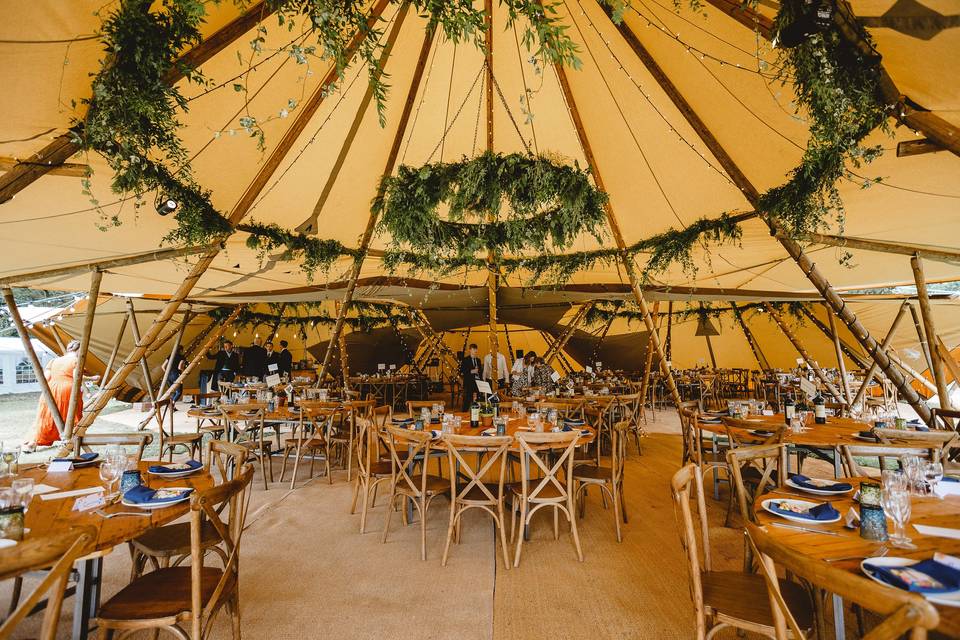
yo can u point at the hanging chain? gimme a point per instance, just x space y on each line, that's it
455 116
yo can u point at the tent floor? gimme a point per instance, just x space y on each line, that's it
308 573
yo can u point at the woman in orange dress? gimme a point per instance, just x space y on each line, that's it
59 374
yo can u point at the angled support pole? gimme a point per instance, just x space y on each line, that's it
34 360
168 367
751 339
930 331
648 365
803 352
924 346
848 349
388 169
58 339
76 389
144 364
841 365
108 370
872 371
910 371
568 332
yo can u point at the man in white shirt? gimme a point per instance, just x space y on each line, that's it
502 369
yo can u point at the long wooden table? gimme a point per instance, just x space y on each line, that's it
928 511
50 516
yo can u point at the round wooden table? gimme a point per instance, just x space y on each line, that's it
50 516
514 424
847 543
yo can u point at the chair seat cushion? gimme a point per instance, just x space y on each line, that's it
159 594
744 596
174 539
588 472
549 491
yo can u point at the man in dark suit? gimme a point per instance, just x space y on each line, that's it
469 371
227 365
285 359
255 360
273 357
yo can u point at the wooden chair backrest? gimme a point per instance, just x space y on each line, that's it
319 419
769 459
226 457
851 452
948 418
140 440
55 554
618 448
690 430
904 612
934 440
416 405
572 408
493 459
694 532
417 445
535 446
736 431
362 408
244 418
207 508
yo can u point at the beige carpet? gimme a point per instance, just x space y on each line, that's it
307 572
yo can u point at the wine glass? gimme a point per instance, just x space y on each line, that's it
913 471
933 474
11 453
109 473
23 491
896 504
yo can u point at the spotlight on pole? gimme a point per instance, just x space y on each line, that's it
166 206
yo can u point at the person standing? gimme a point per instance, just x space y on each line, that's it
255 360
285 359
179 364
226 366
59 373
503 372
272 358
469 371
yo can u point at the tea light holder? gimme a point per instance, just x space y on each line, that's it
873 523
870 493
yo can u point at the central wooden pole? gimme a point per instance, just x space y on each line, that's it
886 343
751 339
645 381
77 388
803 352
930 331
492 271
918 326
842 367
713 358
372 220
564 337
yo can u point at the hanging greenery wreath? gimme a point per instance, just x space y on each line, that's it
493 202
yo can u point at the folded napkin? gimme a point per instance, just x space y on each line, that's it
823 511
142 494
402 420
761 432
574 422
940 532
80 459
567 427
926 576
868 434
807 483
160 468
435 434
492 431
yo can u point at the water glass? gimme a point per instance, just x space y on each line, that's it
23 492
110 472
932 474
914 471
896 504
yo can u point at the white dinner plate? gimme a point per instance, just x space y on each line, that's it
5 542
816 492
949 599
174 474
806 504
161 505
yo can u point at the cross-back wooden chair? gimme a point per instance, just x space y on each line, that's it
138 440
948 419
905 614
347 442
692 446
473 492
631 410
414 406
244 424
371 470
723 599
608 479
169 440
940 442
604 412
551 453
311 436
755 470
573 408
420 487
55 555
173 596
883 453
169 545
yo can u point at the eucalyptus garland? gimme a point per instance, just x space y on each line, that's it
369 316
313 254
604 312
493 203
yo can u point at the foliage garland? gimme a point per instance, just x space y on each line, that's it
312 253
369 316
548 203
603 312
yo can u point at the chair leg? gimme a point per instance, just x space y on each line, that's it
501 525
450 527
519 533
573 528
363 506
263 471
615 499
386 526
327 465
296 465
423 527
623 504
283 467
556 524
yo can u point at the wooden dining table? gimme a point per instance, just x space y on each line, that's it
839 542
46 517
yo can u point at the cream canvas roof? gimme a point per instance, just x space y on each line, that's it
658 172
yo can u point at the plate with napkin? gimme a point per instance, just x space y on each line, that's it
818 486
80 461
402 421
802 510
932 578
146 498
866 436
567 427
574 422
175 469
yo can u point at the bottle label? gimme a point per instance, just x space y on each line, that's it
820 411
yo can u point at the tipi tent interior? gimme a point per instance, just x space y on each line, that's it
688 210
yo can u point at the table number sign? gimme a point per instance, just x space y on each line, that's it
273 379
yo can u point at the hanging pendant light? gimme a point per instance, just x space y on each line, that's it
705 327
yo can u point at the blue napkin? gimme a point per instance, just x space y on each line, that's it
80 459
142 494
869 434
823 511
804 482
574 422
947 577
950 479
567 427
159 468
402 420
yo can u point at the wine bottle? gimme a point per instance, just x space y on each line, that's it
819 410
475 414
789 410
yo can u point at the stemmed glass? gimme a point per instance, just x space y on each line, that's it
23 490
11 453
933 474
109 473
896 504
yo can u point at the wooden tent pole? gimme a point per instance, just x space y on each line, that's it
625 259
240 210
848 349
841 365
751 339
793 248
76 388
948 360
113 352
882 246
388 169
34 360
59 339
441 345
924 346
648 365
886 343
144 364
342 352
802 351
930 331
492 271
178 338
276 325
910 371
568 332
188 351
713 358
668 350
